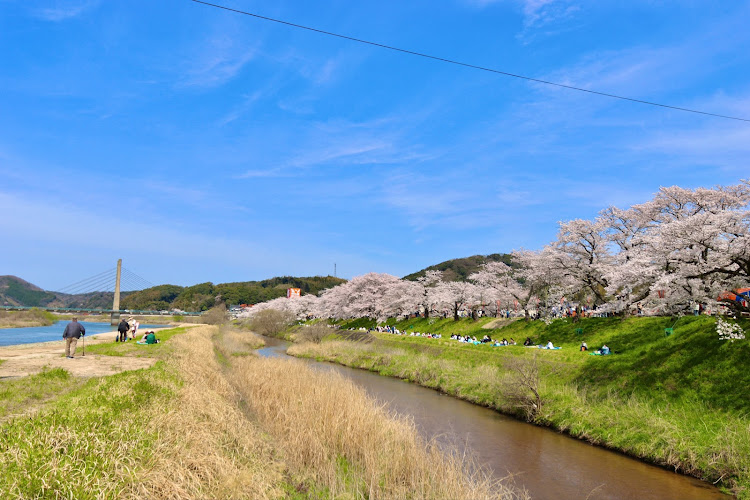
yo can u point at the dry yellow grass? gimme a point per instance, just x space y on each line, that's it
207 448
206 424
357 449
234 342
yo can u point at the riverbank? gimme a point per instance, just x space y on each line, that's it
209 419
24 360
678 401
23 319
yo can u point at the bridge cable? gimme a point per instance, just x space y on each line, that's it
135 280
85 281
97 286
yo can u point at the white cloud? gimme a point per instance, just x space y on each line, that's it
247 103
64 10
61 226
217 58
537 14
342 143
705 140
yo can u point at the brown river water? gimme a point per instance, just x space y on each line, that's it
549 465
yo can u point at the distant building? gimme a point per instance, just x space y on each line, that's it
293 293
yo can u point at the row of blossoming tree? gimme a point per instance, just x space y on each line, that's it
682 248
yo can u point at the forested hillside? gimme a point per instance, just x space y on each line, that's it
460 269
16 292
205 295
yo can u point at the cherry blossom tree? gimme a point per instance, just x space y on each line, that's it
581 253
457 296
427 284
373 295
686 245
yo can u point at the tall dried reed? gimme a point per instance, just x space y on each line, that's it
356 448
207 448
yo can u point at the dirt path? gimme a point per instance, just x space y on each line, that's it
27 359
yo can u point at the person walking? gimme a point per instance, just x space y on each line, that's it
122 329
71 334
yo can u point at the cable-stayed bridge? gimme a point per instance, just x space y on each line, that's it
106 281
112 281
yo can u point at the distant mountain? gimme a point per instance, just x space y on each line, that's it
17 292
205 295
461 269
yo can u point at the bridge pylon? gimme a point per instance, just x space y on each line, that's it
115 318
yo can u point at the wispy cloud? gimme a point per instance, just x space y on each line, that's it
247 103
343 143
64 10
537 14
216 59
706 141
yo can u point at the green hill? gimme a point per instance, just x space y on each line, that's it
203 296
461 269
16 292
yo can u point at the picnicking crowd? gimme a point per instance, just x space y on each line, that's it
127 330
75 330
471 339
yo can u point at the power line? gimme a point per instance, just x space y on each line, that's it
467 65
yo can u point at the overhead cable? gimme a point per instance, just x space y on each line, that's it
468 65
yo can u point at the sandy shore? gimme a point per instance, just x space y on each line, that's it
27 359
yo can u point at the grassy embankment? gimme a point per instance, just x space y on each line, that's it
212 420
681 401
21 319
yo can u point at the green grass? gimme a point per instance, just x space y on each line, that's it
681 401
464 326
17 395
84 439
131 348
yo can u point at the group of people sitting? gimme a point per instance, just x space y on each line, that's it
603 351
467 339
396 331
126 330
549 345
485 340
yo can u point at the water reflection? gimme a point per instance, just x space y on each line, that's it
548 464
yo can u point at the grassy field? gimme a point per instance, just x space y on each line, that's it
212 420
21 319
681 401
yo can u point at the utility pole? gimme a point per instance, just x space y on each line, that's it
115 319
334 269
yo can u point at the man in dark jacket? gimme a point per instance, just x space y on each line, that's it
123 328
72 333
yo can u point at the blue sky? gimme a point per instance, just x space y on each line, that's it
201 145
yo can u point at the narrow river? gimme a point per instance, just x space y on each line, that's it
548 464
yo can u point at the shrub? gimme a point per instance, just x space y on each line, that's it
313 333
523 390
271 322
217 315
